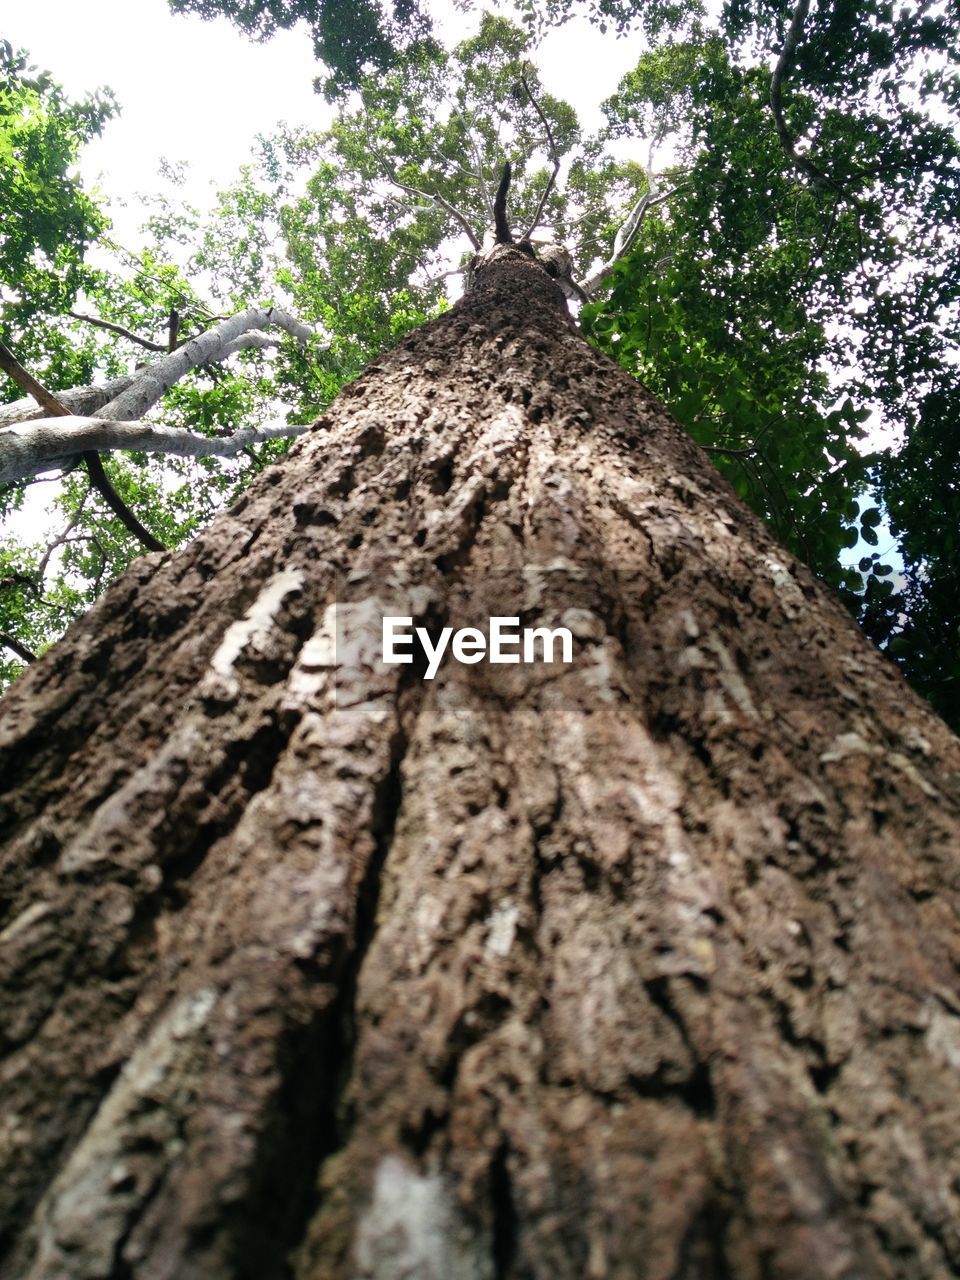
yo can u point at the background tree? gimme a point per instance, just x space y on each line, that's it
137 309
348 35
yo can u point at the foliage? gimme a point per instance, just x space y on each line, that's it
921 488
349 36
47 220
51 575
773 270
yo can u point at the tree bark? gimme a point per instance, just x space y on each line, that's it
41 444
82 401
641 966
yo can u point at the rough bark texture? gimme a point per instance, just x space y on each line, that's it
645 966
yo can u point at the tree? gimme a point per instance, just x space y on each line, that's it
348 35
797 276
391 184
809 281
48 220
642 965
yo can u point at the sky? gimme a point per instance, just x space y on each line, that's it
200 91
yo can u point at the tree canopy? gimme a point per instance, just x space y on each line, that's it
765 227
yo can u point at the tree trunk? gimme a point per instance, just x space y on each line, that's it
644 965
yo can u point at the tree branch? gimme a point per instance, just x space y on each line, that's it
118 328
481 175
27 382
428 195
60 541
173 329
252 341
29 448
626 236
209 347
101 482
81 400
553 156
500 223
137 392
98 477
802 163
21 650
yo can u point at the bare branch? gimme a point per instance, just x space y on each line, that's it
98 477
728 452
60 541
173 328
626 236
209 347
81 400
448 162
428 195
443 275
118 328
132 395
101 482
800 162
28 448
478 161
253 341
553 156
14 645
27 382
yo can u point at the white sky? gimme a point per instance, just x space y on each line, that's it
188 90
200 91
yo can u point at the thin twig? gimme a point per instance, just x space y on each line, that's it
428 195
553 156
727 452
478 161
118 328
62 539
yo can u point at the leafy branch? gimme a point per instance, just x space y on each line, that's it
173 329
627 234
433 196
800 162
